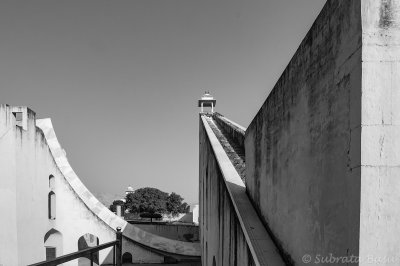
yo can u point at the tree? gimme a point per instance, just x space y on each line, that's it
147 199
154 201
174 202
113 206
184 208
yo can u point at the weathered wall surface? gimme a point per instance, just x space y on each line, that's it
221 236
380 132
303 146
8 197
22 195
189 233
28 157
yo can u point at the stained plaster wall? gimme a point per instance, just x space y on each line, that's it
380 133
322 153
18 241
303 146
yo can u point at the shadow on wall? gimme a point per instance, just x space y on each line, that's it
88 241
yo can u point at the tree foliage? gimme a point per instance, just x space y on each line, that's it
184 208
147 199
113 206
152 200
175 205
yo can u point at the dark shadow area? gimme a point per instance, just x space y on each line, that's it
88 241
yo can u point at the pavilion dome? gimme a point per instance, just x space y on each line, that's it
207 96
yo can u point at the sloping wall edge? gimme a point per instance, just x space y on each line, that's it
113 221
261 246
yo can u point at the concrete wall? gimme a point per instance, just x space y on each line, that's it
233 131
221 236
8 197
303 146
322 153
189 233
380 132
28 157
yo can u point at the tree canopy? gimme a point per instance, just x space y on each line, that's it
147 199
174 204
113 206
152 200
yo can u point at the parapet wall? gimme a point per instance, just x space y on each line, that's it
186 233
223 241
303 146
231 233
232 130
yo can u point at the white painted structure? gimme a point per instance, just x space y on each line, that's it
129 190
195 211
207 100
46 208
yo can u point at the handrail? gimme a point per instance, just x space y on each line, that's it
89 251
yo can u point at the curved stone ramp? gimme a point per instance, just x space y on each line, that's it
130 231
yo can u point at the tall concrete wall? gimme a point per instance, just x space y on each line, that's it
29 155
322 153
221 235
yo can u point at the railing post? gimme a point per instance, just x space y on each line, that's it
119 247
114 248
91 259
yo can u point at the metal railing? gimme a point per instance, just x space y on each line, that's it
89 253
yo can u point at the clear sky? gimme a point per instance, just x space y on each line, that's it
121 79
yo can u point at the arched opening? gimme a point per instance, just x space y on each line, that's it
52 205
127 257
53 244
88 241
214 263
52 182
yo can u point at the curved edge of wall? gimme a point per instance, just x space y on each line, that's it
113 221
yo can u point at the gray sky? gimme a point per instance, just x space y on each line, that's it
120 79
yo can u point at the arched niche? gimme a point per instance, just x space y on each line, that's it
52 205
52 182
127 257
53 244
88 241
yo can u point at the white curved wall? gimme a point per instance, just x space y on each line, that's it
27 158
